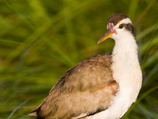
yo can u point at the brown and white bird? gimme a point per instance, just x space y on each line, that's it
101 87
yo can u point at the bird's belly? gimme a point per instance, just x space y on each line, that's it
126 95
117 109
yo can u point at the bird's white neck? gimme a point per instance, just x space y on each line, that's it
125 66
125 57
125 47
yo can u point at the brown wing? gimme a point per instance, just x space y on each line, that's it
84 90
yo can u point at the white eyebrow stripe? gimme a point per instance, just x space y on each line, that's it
124 21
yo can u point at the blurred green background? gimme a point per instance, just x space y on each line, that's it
41 39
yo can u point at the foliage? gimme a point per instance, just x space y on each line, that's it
40 40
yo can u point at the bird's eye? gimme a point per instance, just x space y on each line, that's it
121 26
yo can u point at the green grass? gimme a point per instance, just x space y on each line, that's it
41 40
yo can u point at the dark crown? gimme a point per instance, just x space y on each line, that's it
118 17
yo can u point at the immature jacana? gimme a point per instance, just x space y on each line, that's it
101 87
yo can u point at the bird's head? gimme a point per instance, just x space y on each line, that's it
118 26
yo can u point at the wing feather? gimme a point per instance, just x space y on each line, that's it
85 89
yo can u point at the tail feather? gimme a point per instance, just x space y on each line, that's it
33 113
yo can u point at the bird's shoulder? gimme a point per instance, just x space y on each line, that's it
89 74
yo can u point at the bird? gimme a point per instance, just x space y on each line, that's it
100 87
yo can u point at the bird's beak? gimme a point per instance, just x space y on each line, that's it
107 35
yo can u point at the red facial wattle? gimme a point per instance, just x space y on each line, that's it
114 31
